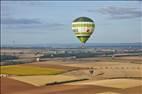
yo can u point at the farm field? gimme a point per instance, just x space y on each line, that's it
28 70
109 77
9 86
47 79
14 87
114 83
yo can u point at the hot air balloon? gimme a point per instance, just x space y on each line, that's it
83 27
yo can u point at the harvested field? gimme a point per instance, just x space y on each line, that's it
81 89
110 69
43 80
108 93
78 69
9 86
49 64
99 63
130 57
114 83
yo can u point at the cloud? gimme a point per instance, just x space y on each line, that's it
119 12
20 21
24 23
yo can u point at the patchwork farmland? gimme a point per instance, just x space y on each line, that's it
117 75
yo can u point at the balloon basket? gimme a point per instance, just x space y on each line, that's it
82 45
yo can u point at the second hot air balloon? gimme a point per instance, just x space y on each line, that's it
83 27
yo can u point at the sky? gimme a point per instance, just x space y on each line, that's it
43 22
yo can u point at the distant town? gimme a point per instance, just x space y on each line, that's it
12 55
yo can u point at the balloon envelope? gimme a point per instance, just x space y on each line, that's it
83 27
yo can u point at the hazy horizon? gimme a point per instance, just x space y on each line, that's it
76 45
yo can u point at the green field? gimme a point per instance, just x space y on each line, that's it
29 70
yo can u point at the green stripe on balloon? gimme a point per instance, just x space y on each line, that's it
83 25
83 19
83 39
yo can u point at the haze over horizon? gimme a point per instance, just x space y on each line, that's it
48 22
